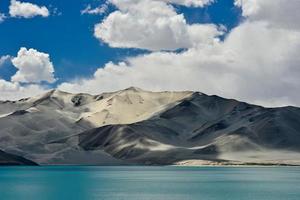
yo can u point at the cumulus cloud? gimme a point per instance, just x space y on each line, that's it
152 25
257 62
33 67
279 13
26 9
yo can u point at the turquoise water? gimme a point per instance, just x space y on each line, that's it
150 183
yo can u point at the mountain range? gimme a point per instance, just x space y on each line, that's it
138 127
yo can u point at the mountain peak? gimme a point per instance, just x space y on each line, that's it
57 92
134 89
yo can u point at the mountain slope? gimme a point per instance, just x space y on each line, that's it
35 128
10 159
203 127
137 126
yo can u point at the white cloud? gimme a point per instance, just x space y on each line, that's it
26 9
33 67
14 91
258 62
95 11
152 25
2 17
231 69
279 13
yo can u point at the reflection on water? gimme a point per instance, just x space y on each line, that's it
150 183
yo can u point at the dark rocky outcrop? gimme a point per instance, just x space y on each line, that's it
7 159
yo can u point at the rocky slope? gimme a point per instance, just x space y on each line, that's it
134 126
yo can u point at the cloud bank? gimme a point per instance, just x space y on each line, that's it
15 91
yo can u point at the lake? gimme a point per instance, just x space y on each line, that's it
149 183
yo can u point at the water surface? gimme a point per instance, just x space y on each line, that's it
150 183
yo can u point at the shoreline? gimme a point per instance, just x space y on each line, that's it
200 163
185 164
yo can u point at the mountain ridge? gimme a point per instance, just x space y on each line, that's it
134 126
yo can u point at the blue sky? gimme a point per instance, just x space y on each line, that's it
68 36
242 49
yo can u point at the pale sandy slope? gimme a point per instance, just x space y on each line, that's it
203 127
31 127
